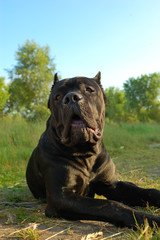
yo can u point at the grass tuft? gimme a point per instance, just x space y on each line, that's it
145 232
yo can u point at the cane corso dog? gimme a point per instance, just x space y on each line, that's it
70 163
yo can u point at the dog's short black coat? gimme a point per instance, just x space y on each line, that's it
70 163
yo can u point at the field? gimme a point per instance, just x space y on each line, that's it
135 149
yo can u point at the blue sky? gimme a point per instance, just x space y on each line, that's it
120 38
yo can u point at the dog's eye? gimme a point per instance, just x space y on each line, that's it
90 90
57 97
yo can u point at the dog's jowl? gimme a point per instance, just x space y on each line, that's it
70 163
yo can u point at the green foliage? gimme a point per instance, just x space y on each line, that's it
154 112
116 101
139 101
142 96
4 95
31 80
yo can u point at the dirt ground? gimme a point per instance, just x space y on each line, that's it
72 230
57 229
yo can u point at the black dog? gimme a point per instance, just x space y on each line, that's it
70 163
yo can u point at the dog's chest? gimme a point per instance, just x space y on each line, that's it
80 182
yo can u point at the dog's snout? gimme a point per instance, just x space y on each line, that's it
71 98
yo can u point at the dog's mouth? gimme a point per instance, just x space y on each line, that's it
80 129
78 123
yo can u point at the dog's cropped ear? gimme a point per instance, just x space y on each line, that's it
97 78
56 79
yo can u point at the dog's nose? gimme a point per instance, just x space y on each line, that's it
71 98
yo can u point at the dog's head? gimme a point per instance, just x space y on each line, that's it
77 108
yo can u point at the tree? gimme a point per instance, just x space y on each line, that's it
116 103
4 95
142 94
31 80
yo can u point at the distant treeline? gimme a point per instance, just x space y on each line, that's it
31 78
138 101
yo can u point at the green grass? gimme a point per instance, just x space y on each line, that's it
17 140
129 147
127 144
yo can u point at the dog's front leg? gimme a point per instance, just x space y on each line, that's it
129 193
62 202
82 208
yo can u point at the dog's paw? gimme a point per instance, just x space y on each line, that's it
50 212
